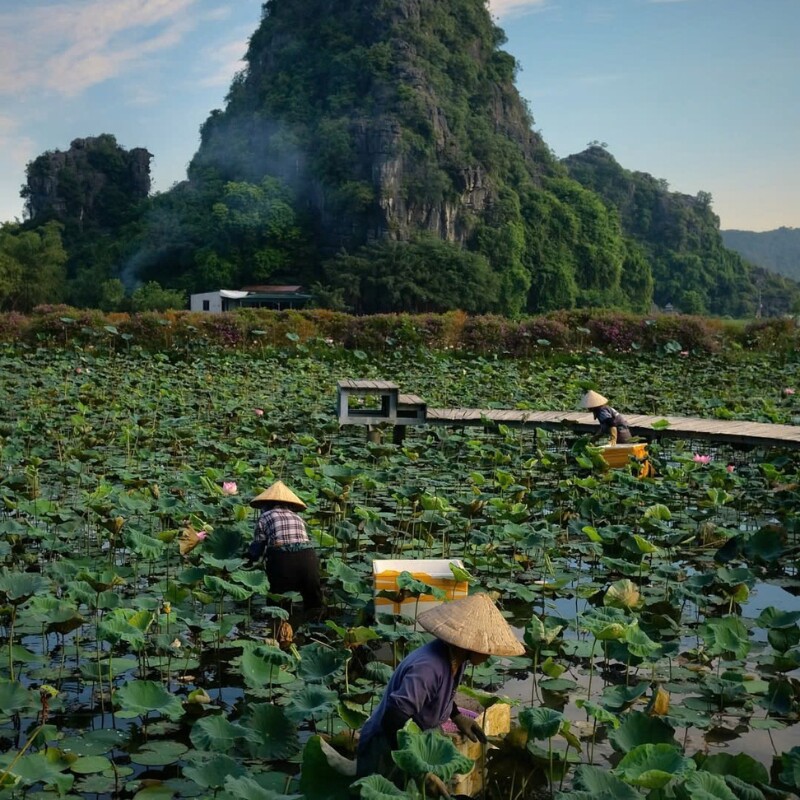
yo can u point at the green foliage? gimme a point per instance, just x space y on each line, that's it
679 235
32 266
152 297
422 275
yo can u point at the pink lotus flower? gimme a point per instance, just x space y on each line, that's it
730 468
701 459
787 391
230 487
684 352
79 370
201 535
259 412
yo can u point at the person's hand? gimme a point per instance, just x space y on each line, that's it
434 786
469 727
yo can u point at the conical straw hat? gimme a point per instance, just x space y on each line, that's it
593 399
279 492
472 623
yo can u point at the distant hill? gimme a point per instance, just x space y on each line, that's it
777 250
679 234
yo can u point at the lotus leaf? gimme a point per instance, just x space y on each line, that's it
639 643
318 780
139 698
158 754
147 547
376 787
378 672
606 625
542 632
155 791
261 667
598 782
637 728
597 712
86 765
96 784
213 773
272 736
46 767
774 618
320 664
408 583
311 702
742 789
14 697
429 751
705 786
726 635
790 762
108 667
224 543
541 723
253 579
18 587
216 733
653 765
221 587
741 765
617 698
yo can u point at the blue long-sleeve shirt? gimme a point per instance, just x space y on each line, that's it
422 688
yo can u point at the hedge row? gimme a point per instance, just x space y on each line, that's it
609 331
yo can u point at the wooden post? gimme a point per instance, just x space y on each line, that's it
374 434
398 434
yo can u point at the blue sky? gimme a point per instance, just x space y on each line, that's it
702 93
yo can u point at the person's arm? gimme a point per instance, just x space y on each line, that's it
467 726
606 420
255 552
420 684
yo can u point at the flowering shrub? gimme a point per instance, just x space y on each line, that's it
607 330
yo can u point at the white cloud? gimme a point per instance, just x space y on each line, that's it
225 60
503 8
69 46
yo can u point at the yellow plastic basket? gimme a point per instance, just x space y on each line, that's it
619 455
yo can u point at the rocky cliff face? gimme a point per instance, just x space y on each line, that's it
397 138
395 120
87 182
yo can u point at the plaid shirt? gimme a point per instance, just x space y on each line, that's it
278 529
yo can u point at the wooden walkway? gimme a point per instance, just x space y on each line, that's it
375 403
716 430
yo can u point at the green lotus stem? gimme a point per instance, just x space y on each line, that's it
11 646
19 755
591 669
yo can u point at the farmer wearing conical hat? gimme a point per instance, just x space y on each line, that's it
423 686
612 423
281 541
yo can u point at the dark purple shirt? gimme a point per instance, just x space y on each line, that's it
422 688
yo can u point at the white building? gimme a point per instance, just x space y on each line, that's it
275 297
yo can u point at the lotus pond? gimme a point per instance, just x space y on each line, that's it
139 658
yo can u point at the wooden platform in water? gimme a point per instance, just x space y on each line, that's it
717 430
389 407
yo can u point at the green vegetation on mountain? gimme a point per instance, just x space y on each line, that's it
680 238
778 250
384 156
397 129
